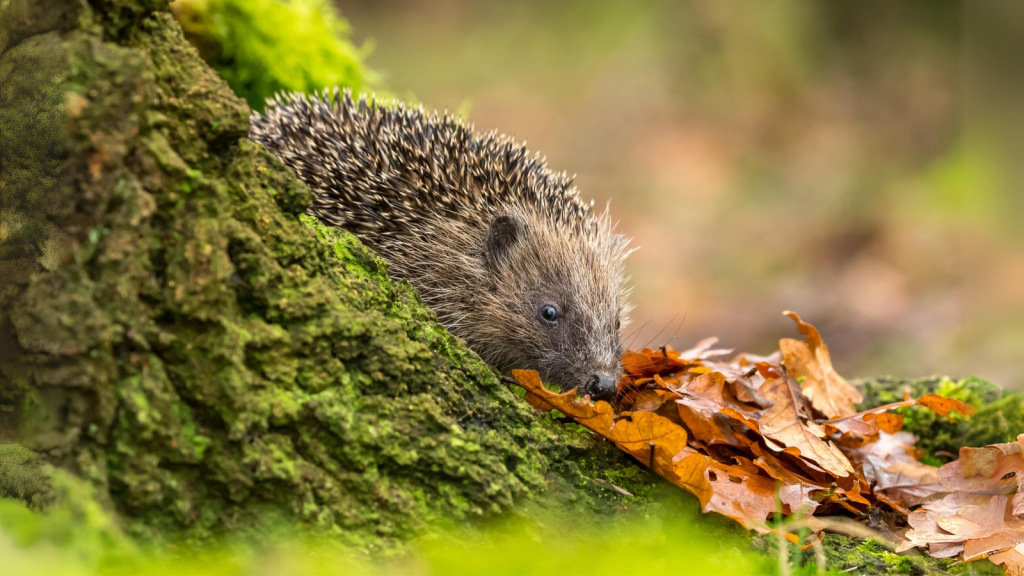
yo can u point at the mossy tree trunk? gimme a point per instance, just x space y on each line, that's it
184 339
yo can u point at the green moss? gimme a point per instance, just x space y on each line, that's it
862 553
262 47
21 476
999 417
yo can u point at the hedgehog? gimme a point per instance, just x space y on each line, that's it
499 246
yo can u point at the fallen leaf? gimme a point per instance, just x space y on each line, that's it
1011 559
943 406
782 423
890 465
749 441
703 350
994 469
829 392
982 515
886 421
649 362
535 401
750 500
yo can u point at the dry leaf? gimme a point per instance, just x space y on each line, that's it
886 421
703 350
536 402
942 405
782 423
829 392
890 464
982 515
1012 560
729 491
741 435
994 469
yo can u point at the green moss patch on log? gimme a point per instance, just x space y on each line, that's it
999 417
262 47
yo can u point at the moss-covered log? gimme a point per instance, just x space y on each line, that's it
199 351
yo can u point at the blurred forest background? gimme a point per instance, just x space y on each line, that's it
856 162
851 161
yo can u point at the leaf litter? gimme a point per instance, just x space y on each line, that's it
755 438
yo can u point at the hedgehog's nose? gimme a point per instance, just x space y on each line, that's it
601 387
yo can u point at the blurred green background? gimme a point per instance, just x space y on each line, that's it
856 162
853 161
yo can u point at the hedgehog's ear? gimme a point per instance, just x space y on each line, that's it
502 236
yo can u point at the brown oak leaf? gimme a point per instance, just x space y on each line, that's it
829 392
783 424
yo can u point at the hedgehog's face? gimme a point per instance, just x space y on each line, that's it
560 291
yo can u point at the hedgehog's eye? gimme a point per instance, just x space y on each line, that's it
548 314
617 324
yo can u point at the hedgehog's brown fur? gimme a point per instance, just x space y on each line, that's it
485 231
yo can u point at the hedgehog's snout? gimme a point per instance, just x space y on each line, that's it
601 387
